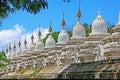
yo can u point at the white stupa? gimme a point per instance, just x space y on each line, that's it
39 45
32 45
13 55
78 38
99 26
7 53
50 42
63 36
78 30
24 50
18 52
118 24
99 32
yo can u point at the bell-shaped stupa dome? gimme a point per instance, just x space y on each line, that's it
99 26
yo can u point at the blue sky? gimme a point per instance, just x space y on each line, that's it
22 22
89 8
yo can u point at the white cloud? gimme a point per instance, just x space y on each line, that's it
17 31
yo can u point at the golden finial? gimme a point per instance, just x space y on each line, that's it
39 33
10 46
79 12
50 29
63 22
32 37
25 42
19 43
14 45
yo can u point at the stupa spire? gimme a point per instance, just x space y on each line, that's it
99 11
118 24
25 41
6 48
32 37
10 46
50 29
79 14
63 22
14 46
39 33
119 17
19 43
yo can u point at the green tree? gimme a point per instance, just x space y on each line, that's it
31 6
110 29
70 33
110 26
3 58
55 36
44 39
11 6
87 29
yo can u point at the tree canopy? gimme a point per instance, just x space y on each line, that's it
11 6
3 58
31 6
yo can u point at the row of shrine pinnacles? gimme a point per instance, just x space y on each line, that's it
54 57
